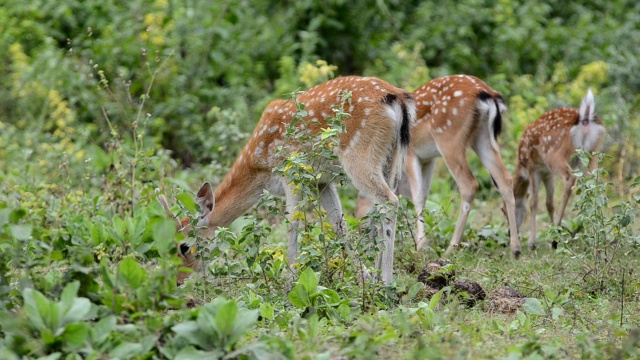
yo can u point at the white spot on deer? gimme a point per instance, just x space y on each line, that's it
448 122
454 111
280 111
439 130
311 112
367 111
259 149
273 129
435 112
444 109
322 100
324 115
457 93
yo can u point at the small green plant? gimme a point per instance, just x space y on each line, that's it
606 237
314 299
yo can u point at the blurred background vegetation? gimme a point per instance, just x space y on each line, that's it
68 66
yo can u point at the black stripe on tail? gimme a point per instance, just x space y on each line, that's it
405 133
497 122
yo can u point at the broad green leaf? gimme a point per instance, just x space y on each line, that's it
191 332
68 295
187 200
244 322
267 311
299 296
78 311
331 297
533 306
191 353
21 232
435 299
226 317
76 335
16 215
415 289
164 235
103 328
126 350
345 312
309 280
132 273
33 308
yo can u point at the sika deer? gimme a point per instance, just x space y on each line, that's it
372 151
545 150
455 113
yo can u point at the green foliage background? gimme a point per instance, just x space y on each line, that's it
103 101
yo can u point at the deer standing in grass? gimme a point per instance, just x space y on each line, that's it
545 150
455 113
372 151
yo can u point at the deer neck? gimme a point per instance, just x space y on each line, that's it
240 189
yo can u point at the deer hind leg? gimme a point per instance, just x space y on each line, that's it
330 202
492 160
569 180
549 185
367 176
292 201
533 208
458 167
420 177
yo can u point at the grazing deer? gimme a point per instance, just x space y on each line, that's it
454 113
545 150
371 152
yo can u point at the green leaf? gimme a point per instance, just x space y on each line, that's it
191 353
32 306
533 306
226 317
299 296
76 335
164 236
187 200
415 289
267 311
103 328
435 299
126 350
21 232
16 215
132 273
78 311
68 295
309 280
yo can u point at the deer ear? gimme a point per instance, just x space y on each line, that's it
205 199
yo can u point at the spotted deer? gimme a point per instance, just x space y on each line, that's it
545 149
455 113
371 153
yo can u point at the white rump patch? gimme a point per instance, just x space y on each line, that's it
586 137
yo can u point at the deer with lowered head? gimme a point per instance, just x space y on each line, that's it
455 113
372 152
545 150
